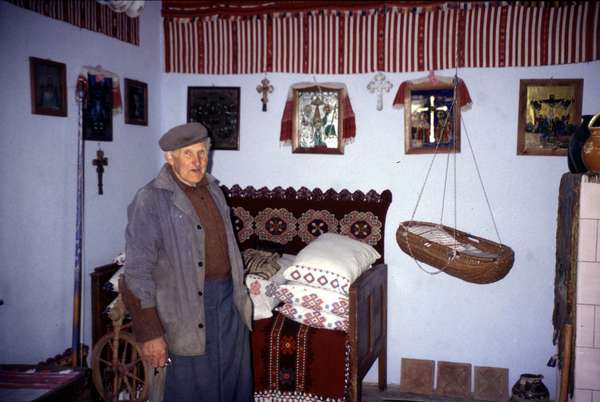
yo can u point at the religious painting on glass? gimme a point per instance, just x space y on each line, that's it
431 120
48 87
97 109
317 122
218 108
549 114
136 102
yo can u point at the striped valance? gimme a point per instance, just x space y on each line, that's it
87 14
391 39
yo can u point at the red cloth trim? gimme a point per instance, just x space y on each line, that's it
464 98
195 8
87 15
348 123
286 122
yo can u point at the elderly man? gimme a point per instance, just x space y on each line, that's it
183 277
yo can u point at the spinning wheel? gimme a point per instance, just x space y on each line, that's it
118 371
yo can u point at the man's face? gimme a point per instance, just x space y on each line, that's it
189 163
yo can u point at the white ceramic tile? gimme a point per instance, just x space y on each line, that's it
598 245
587 368
588 282
589 201
597 330
582 395
585 325
596 396
588 240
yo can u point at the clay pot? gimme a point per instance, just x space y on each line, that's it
590 153
529 387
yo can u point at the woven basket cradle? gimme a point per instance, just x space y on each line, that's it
490 263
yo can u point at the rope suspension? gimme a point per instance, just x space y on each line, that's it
457 253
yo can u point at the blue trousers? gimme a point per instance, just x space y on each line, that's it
224 372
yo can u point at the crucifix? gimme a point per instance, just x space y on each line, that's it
378 85
432 109
100 162
264 89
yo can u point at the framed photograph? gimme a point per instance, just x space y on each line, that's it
136 102
317 121
431 119
48 87
549 114
97 109
218 108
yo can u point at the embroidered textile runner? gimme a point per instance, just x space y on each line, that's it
382 37
87 14
294 362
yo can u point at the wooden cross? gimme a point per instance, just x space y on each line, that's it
431 109
264 89
378 85
100 162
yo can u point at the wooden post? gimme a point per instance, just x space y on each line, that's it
75 345
566 362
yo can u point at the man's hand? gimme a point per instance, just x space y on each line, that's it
154 352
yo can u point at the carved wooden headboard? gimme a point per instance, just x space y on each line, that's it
293 218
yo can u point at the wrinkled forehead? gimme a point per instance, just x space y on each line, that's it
195 148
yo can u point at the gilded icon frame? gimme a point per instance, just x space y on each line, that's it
317 121
549 114
417 125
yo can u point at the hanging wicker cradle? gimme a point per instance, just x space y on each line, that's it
454 252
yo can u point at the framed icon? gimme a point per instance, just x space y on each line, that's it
218 108
48 87
136 102
549 114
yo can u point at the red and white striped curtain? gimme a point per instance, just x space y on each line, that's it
87 14
384 39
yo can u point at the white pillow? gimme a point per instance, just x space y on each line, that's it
314 298
312 318
332 262
262 293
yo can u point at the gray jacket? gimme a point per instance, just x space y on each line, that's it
165 258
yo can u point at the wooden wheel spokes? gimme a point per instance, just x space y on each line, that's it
118 371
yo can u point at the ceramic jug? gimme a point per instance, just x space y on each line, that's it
529 387
590 153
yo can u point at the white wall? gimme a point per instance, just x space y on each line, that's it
504 324
38 167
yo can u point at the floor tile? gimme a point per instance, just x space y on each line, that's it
491 384
417 376
453 379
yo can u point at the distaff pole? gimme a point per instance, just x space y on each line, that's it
75 354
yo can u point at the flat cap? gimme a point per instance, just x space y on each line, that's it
182 136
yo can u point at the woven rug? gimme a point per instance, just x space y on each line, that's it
294 362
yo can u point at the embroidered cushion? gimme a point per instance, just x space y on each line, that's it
262 291
332 262
314 298
312 318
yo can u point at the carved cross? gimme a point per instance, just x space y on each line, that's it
432 109
100 162
264 89
378 85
